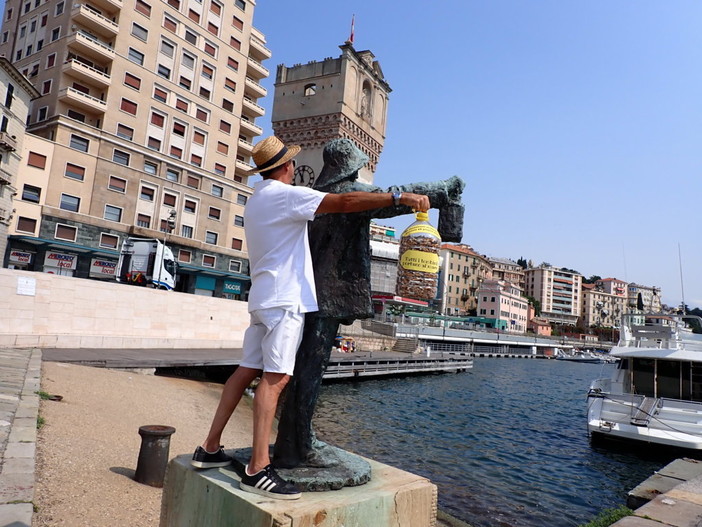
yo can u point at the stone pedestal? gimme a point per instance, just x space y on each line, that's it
212 498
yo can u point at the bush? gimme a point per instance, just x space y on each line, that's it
608 516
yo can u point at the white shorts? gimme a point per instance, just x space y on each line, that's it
272 339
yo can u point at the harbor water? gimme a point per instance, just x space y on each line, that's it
506 443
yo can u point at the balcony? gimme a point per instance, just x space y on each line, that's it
94 21
90 47
257 110
108 6
5 178
256 70
245 147
87 74
258 49
254 89
251 127
241 167
82 100
8 143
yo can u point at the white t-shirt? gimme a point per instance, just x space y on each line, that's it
275 220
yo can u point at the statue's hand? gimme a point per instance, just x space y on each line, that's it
454 188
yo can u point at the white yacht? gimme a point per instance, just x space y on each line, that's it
655 394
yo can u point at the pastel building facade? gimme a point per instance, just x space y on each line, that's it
649 297
504 302
461 273
558 291
603 303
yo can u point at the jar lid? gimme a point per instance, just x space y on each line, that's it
422 216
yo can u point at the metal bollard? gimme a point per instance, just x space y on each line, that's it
153 454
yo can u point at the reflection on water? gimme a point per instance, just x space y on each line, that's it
505 443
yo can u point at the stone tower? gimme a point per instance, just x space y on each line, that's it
346 97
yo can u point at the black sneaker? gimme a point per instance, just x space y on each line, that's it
203 459
268 483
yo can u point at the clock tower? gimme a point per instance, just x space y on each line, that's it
344 97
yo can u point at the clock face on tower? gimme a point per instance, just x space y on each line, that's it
304 176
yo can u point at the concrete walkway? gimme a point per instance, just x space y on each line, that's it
20 376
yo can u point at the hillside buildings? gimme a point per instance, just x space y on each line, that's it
504 302
147 111
461 273
558 291
603 303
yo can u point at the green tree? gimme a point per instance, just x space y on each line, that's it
594 278
535 303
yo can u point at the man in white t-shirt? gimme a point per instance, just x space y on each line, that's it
282 291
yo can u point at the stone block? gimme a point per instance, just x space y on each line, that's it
16 514
210 498
672 511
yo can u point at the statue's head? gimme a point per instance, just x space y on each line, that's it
342 161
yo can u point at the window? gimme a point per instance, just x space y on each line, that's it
29 50
119 157
211 237
186 231
235 43
33 26
158 119
189 206
42 113
182 105
238 23
216 8
193 182
69 203
113 213
128 106
172 174
196 160
210 49
136 56
109 241
55 34
184 256
202 115
233 64
167 48
205 93
179 129
154 144
79 143
225 127
174 3
150 167
117 184
198 137
184 82
74 171
132 81
26 224
169 200
9 15
212 28
190 37
59 9
241 199
44 20
239 221
65 232
31 193
143 221
170 24
222 148
160 94
125 132
75 115
240 4
208 260
207 71
188 61
36 160
140 32
194 16
220 169
176 152
217 191
147 193
310 89
214 213
235 266
228 105
164 71
143 8
237 244
230 84
51 60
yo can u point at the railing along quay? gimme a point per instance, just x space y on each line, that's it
343 369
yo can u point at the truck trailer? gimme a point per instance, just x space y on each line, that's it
146 262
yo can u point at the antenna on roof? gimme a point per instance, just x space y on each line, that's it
682 287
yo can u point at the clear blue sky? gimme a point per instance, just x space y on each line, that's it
576 125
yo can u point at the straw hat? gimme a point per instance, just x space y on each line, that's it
271 153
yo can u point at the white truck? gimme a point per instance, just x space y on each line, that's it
146 262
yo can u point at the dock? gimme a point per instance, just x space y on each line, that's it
341 365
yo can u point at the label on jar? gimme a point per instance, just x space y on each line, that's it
420 261
423 228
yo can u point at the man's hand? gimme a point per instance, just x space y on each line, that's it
418 202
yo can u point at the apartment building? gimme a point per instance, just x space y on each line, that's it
508 271
603 303
16 93
643 298
385 254
503 302
151 108
343 97
460 275
558 291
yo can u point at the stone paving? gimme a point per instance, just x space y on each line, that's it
20 376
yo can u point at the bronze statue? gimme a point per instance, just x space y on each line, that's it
340 251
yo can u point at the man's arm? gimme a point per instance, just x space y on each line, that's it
363 201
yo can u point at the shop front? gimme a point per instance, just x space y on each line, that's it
18 259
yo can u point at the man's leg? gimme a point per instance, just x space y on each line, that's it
265 404
231 395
